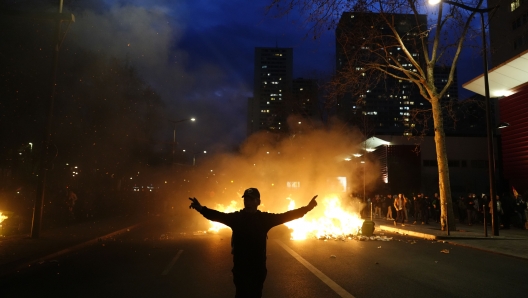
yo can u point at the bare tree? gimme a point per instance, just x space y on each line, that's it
379 48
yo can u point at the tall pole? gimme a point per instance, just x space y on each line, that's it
174 137
173 144
489 126
44 154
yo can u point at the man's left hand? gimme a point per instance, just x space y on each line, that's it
313 203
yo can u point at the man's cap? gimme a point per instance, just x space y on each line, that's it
251 192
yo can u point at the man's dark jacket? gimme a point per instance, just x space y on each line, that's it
250 230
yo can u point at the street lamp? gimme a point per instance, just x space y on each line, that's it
174 135
503 125
491 154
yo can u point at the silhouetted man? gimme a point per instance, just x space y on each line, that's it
250 227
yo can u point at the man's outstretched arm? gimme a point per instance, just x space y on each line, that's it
277 219
211 214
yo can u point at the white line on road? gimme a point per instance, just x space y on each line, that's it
334 286
169 267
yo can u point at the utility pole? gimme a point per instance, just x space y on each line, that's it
57 18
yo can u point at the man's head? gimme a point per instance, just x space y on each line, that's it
251 198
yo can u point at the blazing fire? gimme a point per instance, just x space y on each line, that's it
333 220
2 217
216 226
334 223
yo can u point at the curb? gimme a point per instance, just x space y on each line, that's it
406 232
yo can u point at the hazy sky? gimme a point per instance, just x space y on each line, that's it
199 56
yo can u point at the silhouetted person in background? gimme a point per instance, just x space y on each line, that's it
426 208
417 200
250 227
70 202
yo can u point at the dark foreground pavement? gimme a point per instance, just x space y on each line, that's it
21 251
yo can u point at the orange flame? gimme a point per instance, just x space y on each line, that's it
334 222
216 226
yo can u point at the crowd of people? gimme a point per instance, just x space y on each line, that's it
471 209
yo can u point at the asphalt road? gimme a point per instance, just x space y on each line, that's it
142 264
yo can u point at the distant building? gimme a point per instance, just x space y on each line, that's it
273 76
387 104
304 101
276 95
508 30
441 77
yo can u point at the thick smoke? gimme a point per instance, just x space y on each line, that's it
294 167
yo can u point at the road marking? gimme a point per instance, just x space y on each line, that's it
332 284
169 267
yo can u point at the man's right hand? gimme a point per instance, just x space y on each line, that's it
195 204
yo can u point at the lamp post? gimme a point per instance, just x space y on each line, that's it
489 128
36 222
174 136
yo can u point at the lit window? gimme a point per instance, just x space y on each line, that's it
515 4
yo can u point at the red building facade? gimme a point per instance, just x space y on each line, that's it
514 110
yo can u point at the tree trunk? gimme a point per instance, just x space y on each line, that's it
444 184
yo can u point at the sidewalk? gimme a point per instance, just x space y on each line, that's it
21 251
512 242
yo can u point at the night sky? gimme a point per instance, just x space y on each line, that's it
198 55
